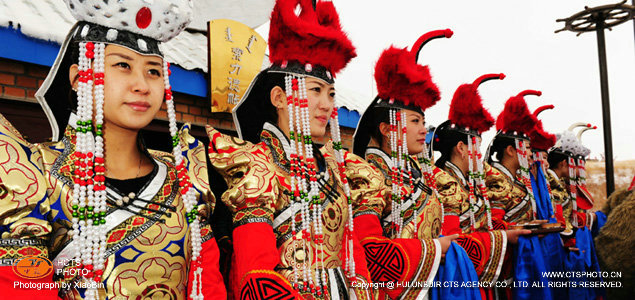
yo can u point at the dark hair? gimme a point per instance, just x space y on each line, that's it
73 49
500 144
444 141
272 80
379 115
258 101
554 158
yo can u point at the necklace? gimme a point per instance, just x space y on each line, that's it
109 173
139 168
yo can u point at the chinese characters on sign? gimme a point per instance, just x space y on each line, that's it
236 53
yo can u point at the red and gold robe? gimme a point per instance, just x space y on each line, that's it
258 195
485 248
392 257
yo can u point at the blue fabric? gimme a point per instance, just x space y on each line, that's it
600 220
458 268
584 260
554 253
544 209
529 266
554 256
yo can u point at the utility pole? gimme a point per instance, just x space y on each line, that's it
597 19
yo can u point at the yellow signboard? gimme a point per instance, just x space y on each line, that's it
235 57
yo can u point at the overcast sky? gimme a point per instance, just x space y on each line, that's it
509 36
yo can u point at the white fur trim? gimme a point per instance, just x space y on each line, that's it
165 22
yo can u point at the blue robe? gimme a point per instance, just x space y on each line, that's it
584 260
458 268
600 220
529 266
554 253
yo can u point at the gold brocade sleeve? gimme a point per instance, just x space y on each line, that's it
449 193
197 170
252 184
498 192
24 204
367 186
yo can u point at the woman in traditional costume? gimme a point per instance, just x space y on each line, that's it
547 208
568 182
461 185
120 221
402 229
510 191
291 204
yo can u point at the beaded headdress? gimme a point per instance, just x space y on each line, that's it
308 43
468 116
138 25
402 84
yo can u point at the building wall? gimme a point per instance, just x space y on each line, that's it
19 81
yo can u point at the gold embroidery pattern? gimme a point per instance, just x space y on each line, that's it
496 253
507 194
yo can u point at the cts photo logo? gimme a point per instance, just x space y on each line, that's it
33 267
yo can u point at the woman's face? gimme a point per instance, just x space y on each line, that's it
415 132
321 98
133 89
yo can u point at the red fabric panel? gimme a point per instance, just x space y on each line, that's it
367 225
213 286
451 225
254 248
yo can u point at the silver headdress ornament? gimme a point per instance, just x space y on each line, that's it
570 144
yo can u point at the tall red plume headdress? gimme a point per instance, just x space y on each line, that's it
466 109
541 139
402 80
401 83
309 43
516 120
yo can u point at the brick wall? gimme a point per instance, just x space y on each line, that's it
19 81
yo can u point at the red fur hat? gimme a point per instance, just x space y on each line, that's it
541 139
313 37
466 108
400 78
516 116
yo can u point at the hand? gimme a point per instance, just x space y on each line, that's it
539 222
512 235
445 244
